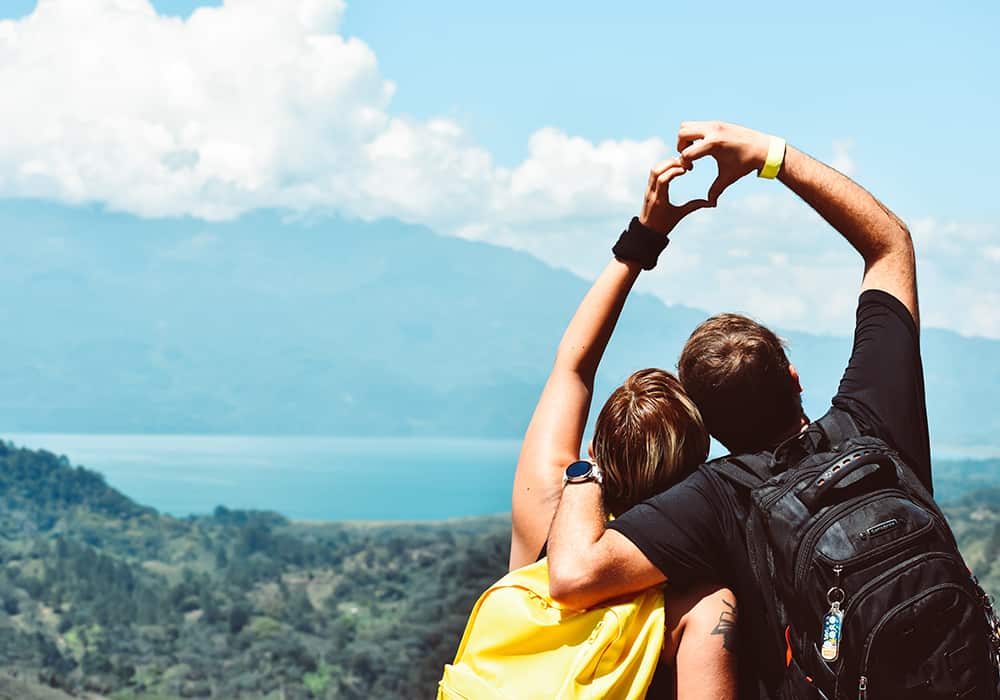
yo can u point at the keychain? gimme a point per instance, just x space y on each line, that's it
833 624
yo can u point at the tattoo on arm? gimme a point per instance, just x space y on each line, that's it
727 627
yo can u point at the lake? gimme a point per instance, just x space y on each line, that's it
309 478
315 478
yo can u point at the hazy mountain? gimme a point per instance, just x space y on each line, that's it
263 325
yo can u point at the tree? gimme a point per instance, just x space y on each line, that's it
239 616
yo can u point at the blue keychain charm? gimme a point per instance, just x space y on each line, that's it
833 625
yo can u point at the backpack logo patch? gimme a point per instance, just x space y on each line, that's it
880 529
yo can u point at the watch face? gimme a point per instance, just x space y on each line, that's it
578 469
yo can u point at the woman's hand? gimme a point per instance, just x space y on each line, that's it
658 213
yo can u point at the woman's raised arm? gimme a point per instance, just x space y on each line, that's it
556 430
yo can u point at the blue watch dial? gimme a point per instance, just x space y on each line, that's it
578 469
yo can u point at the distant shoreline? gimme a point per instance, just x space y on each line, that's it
37 440
944 451
352 480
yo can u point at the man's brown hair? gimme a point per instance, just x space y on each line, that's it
649 435
737 372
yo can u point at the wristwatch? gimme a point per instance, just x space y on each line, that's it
583 470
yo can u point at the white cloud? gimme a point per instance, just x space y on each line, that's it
233 108
784 265
957 271
571 177
262 103
842 160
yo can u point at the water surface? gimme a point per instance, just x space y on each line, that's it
317 478
314 478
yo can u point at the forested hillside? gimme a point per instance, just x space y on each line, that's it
100 595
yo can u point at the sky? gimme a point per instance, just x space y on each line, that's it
528 125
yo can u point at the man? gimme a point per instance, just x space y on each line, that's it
749 395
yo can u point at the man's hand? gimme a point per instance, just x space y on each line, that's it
738 151
658 213
868 225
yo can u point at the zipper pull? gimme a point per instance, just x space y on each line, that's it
863 688
833 621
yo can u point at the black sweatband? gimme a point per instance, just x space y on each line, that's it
640 244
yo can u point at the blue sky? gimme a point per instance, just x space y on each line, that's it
178 8
912 84
903 81
528 125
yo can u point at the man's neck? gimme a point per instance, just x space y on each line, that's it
803 423
799 428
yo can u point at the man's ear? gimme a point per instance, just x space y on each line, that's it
590 449
795 376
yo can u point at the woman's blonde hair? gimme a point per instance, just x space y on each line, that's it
649 435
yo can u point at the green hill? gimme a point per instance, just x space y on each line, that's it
101 596
14 688
955 478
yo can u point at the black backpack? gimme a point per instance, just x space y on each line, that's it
861 574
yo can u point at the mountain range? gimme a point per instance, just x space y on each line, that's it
277 325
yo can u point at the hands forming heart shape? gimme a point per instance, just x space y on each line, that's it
737 151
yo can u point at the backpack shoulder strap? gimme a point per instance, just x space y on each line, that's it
838 426
748 471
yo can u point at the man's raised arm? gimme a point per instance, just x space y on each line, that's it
876 233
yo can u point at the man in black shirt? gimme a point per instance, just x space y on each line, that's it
737 372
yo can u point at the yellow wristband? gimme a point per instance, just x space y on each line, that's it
775 157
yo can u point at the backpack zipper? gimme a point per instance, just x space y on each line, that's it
881 578
876 582
870 641
859 561
818 528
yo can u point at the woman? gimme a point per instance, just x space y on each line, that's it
648 436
